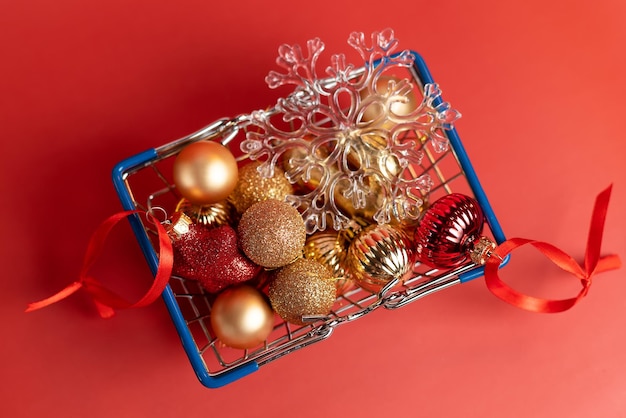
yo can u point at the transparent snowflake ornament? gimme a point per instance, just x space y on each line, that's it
351 135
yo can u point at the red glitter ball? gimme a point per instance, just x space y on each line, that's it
212 256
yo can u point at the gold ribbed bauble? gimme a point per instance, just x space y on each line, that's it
241 317
302 288
252 187
331 249
379 254
214 214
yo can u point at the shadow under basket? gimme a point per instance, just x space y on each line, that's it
144 181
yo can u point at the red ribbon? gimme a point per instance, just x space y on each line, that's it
107 301
593 264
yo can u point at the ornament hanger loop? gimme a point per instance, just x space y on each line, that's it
153 218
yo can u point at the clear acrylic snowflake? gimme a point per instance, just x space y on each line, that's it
345 137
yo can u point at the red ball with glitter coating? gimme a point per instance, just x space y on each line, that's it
212 256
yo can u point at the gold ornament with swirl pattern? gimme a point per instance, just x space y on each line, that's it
331 249
380 254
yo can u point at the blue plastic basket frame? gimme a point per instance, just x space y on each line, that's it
122 170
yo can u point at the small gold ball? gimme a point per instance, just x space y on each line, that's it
304 287
205 172
252 187
272 233
241 317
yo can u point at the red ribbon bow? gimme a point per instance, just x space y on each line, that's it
107 301
593 264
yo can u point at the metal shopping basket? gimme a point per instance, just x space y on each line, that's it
144 181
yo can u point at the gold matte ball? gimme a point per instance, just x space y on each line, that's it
252 187
304 287
241 317
205 172
272 233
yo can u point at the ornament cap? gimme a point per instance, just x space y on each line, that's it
212 214
450 233
482 249
178 225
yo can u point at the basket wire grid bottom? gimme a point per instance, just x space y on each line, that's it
149 185
195 303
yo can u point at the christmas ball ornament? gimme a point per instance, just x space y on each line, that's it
294 159
214 214
241 317
379 254
302 288
371 201
386 101
378 204
272 233
449 233
253 187
209 255
330 249
205 172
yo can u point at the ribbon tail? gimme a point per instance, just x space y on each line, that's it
69 290
596 230
593 264
104 311
608 262
106 300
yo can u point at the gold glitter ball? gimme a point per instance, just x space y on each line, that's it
272 233
252 187
302 288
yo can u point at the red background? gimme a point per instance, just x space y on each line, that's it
84 85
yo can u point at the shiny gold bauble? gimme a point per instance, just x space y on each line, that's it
214 214
241 317
205 172
373 201
302 288
252 187
292 161
399 105
376 146
331 249
272 233
379 254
